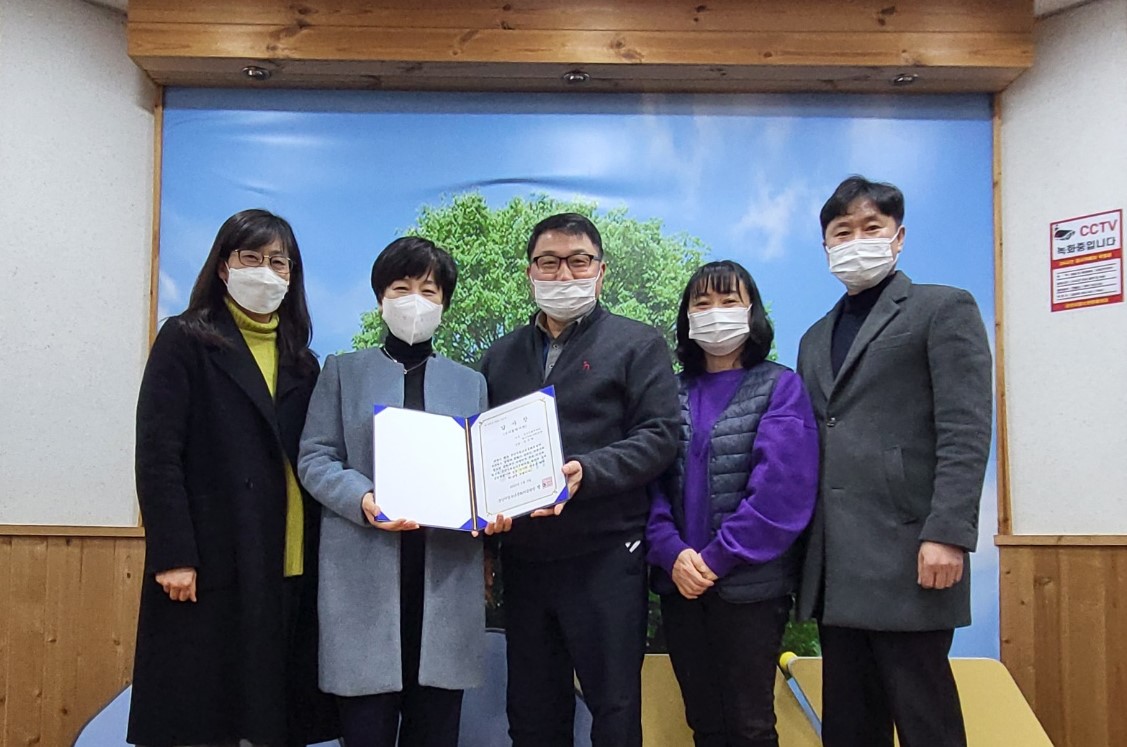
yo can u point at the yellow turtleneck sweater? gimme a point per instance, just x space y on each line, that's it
262 339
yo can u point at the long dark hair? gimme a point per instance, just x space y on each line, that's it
253 229
725 276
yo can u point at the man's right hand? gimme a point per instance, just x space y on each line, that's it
690 581
371 511
178 583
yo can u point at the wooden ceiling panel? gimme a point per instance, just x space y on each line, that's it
725 45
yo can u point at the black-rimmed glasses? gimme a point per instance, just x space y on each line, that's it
549 264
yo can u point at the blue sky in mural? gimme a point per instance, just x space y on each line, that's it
745 174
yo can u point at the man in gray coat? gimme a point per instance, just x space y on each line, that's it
899 376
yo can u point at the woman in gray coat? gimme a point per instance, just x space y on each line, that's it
402 608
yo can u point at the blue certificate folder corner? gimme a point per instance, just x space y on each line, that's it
469 526
473 524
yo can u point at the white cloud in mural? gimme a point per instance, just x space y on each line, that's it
301 143
885 150
775 139
682 163
169 289
168 296
771 217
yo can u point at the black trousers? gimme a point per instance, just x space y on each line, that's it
580 617
419 716
873 679
724 655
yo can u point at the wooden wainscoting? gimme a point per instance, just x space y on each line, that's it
1064 633
68 619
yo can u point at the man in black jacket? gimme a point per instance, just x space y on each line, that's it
575 580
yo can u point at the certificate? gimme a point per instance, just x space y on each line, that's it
459 473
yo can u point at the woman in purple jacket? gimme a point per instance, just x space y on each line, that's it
726 516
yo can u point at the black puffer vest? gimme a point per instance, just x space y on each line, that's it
729 466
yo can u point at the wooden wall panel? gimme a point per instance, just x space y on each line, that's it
729 45
63 585
26 608
1063 625
68 618
5 626
68 610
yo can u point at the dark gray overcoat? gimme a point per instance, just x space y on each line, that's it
905 429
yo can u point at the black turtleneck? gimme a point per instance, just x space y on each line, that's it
411 357
854 311
412 545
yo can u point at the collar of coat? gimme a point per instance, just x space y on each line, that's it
884 311
236 360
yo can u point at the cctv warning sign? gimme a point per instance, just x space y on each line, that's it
1086 260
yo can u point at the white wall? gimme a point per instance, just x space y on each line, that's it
75 209
1064 154
76 171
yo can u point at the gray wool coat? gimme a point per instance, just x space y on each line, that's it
359 565
905 429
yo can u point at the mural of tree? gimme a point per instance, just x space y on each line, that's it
646 268
646 273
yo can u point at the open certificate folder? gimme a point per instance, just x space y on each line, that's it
459 473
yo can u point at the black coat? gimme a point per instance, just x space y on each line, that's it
617 400
211 444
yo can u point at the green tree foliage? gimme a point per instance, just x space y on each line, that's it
802 638
646 268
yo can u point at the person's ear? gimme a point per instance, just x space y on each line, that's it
602 276
223 271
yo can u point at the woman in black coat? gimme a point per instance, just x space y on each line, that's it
226 637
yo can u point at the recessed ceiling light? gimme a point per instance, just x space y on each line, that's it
254 72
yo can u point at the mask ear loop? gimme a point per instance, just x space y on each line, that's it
899 235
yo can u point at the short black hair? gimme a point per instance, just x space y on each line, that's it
724 276
414 257
571 224
887 197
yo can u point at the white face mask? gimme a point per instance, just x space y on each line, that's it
862 263
719 331
411 318
565 300
256 289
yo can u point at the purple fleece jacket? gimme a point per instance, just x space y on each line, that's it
780 489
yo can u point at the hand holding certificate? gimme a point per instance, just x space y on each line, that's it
462 473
